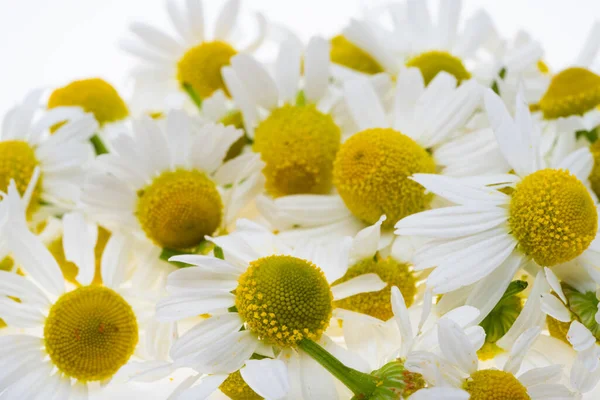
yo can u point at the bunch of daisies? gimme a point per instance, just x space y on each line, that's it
407 210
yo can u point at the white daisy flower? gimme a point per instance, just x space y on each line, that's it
372 168
290 116
259 268
26 143
70 339
459 367
98 97
167 183
192 60
548 217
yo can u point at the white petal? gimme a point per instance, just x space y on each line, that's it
268 378
456 346
366 242
260 85
580 337
590 48
189 305
580 163
549 391
79 242
316 68
364 105
552 306
519 350
554 284
402 318
287 70
207 386
361 284
582 379
226 20
535 376
437 393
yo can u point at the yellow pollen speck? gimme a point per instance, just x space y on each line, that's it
69 269
90 333
236 388
371 173
347 54
296 300
491 384
552 216
573 91
378 304
298 145
17 162
543 67
201 67
432 62
93 95
179 208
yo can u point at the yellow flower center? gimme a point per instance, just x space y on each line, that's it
573 91
489 351
69 269
284 299
371 173
93 95
17 162
235 119
179 208
236 388
491 384
552 216
558 329
298 145
200 67
432 62
378 304
90 333
347 54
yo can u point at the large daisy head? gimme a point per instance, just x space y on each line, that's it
26 143
191 60
78 336
289 116
167 182
545 214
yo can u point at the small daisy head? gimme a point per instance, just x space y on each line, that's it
489 384
93 95
349 55
17 163
433 62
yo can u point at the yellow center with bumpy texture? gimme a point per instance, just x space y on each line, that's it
200 67
492 384
179 208
90 333
17 162
573 91
284 299
433 62
236 388
371 173
552 216
298 145
347 54
378 304
95 96
71 270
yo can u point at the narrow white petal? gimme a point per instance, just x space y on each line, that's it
364 105
316 68
189 305
257 80
580 337
366 242
436 393
535 376
268 378
520 349
402 318
204 389
456 346
552 306
226 20
554 283
361 284
287 70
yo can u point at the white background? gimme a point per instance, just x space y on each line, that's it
50 42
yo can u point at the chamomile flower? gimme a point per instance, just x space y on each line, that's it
372 169
78 337
290 116
459 367
95 96
27 144
280 298
167 183
192 60
548 215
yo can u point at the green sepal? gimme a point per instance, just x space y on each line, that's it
193 95
584 306
203 248
391 382
504 314
591 135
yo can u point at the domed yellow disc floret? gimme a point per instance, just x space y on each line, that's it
179 208
284 299
90 333
17 162
371 173
573 91
236 388
200 67
93 95
552 216
433 62
298 145
378 304
491 384
69 269
347 54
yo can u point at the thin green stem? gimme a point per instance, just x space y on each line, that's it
359 383
193 95
98 145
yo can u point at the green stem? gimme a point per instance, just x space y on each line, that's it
193 95
361 384
98 145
